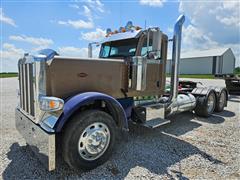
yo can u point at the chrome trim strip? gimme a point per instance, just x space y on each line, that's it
28 89
21 84
46 127
24 89
32 110
27 114
153 61
36 97
139 72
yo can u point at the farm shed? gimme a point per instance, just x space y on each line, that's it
213 61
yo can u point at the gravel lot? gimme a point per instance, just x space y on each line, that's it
188 147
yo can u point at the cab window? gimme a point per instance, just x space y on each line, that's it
105 51
144 47
121 48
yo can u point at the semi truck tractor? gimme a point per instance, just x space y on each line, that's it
75 108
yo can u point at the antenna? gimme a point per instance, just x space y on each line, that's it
145 24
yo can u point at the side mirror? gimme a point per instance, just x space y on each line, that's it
154 55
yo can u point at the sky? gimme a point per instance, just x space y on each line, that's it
68 26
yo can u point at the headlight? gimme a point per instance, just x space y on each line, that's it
50 103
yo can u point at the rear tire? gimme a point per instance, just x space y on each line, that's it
88 139
222 101
206 104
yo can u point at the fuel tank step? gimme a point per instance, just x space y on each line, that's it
151 115
154 123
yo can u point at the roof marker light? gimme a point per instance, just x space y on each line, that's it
129 25
108 31
122 29
137 28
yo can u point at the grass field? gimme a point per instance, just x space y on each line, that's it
197 76
8 75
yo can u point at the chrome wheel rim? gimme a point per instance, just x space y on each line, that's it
222 99
210 103
94 141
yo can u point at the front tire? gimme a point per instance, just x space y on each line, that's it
89 139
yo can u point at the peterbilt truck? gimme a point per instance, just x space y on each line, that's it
76 108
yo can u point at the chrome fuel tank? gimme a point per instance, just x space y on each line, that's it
183 102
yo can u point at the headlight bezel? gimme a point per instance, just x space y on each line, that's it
50 104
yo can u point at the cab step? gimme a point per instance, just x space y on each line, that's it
150 115
154 123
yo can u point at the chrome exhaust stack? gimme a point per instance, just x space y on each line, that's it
90 50
177 36
183 102
90 55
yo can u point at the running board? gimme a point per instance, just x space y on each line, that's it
154 123
151 115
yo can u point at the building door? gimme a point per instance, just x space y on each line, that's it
214 65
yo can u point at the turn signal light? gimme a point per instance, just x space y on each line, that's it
137 28
128 27
50 103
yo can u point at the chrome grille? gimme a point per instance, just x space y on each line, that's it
26 88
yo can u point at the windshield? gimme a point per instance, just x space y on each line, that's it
122 48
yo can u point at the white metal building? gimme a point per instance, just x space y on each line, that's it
214 61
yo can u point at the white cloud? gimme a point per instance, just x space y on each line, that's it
78 24
94 35
212 25
87 12
73 51
40 42
231 17
219 20
76 52
6 19
153 3
91 9
195 38
96 5
9 57
9 50
75 6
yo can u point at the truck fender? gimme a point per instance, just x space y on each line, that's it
203 91
200 94
79 100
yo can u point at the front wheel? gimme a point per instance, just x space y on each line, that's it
89 139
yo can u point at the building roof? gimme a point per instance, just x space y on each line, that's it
204 53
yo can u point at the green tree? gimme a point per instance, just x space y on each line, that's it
237 70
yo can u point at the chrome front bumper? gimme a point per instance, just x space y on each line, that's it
42 143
